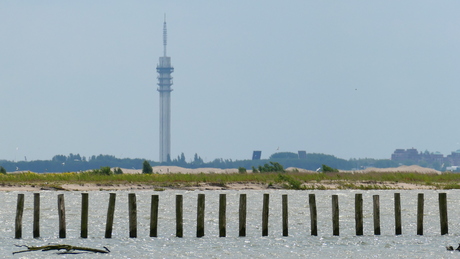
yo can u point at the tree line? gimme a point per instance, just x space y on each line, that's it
75 163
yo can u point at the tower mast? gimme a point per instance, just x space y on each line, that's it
164 70
165 37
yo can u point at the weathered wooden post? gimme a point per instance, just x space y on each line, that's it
420 214
335 215
313 215
110 214
265 214
19 211
359 214
154 216
376 202
222 215
398 225
285 215
200 216
36 224
443 213
179 216
84 215
61 213
132 215
242 215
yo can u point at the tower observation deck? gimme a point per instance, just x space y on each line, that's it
164 70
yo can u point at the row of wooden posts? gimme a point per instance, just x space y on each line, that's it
222 215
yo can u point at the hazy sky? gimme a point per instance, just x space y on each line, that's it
353 79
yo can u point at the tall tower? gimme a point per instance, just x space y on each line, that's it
164 70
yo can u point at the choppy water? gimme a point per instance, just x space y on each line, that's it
299 243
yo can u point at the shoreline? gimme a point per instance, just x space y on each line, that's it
200 179
323 185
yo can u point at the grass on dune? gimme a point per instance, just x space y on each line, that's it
288 180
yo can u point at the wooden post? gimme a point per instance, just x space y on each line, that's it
359 214
200 216
222 215
242 215
36 224
420 214
265 215
398 225
313 215
335 215
154 216
19 211
443 213
179 220
376 202
132 215
84 215
285 215
61 212
110 214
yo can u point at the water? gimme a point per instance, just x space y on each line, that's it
299 243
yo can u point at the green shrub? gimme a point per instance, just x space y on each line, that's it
104 170
2 170
291 183
147 168
118 171
241 170
327 169
272 167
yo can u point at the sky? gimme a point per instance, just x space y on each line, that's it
353 79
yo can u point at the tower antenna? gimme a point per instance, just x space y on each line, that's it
165 36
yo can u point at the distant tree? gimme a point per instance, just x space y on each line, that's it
284 155
2 170
197 160
59 158
182 158
146 167
118 170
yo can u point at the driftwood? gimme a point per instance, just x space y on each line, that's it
69 249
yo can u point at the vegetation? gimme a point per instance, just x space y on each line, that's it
288 180
270 168
74 163
104 170
242 170
146 167
328 169
284 155
2 170
118 170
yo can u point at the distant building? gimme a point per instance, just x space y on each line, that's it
256 155
411 154
454 158
403 155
